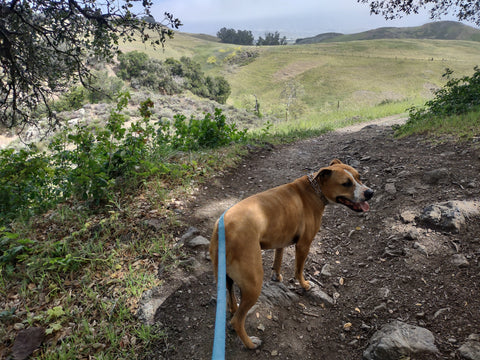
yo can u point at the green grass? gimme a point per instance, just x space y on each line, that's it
334 81
462 127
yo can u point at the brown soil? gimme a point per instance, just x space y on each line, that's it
377 273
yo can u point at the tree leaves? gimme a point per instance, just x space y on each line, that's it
44 45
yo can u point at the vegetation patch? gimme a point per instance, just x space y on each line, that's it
171 76
454 109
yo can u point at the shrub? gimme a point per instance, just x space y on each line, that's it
104 88
132 64
73 99
172 76
25 183
209 132
458 96
91 163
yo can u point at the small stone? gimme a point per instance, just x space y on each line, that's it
420 247
407 216
412 234
19 326
198 242
460 260
382 306
390 188
326 270
440 312
319 296
191 232
435 176
383 292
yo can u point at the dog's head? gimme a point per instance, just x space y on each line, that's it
341 184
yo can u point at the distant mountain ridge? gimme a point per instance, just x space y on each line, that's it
440 30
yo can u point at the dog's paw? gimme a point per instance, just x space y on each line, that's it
307 286
256 342
277 277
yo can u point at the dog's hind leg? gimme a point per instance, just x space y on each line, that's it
277 264
232 300
250 284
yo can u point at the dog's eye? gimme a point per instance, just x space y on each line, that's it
347 183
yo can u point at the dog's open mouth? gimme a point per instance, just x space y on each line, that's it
355 206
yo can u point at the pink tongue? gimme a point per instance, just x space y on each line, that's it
364 206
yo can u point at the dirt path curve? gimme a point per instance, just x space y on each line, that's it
381 265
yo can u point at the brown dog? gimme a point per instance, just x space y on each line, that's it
286 215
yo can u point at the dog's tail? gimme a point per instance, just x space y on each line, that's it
214 250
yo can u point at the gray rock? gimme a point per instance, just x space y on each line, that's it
326 270
191 232
471 348
435 176
448 216
198 242
421 248
155 224
399 340
276 293
390 188
318 296
460 260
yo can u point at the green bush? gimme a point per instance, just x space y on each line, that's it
13 249
104 88
209 132
132 64
25 183
90 164
458 96
73 99
171 76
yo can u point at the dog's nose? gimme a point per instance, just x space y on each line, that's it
368 194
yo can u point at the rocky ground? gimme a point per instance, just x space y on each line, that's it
404 263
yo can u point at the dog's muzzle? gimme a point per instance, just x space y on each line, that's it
360 206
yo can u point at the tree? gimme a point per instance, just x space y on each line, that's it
45 44
272 39
232 36
463 10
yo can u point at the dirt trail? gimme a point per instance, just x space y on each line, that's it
381 265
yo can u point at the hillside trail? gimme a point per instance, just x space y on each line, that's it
378 266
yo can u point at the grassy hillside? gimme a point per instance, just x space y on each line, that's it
441 30
329 84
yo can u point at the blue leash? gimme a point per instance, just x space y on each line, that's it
220 317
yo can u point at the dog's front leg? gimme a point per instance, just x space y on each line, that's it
277 264
301 253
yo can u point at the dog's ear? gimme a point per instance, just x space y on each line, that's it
335 161
323 175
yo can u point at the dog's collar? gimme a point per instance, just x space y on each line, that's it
316 187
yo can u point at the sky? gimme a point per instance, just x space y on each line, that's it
292 18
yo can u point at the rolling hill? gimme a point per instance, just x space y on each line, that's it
441 30
333 83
